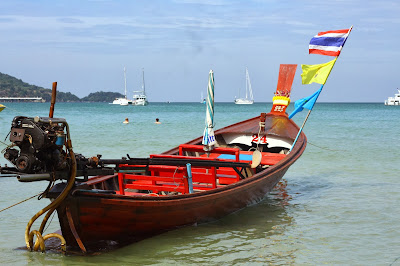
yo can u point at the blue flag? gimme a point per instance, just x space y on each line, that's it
307 102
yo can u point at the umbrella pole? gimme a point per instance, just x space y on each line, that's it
208 137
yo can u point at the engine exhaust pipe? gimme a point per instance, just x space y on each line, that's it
34 177
53 99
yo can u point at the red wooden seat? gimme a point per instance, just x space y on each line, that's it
153 183
200 174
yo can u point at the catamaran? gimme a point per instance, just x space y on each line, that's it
249 92
139 97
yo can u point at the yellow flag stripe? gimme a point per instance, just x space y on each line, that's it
316 73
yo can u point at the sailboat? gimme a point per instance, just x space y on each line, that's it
139 97
123 101
249 92
202 99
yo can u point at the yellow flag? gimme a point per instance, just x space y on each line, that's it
316 73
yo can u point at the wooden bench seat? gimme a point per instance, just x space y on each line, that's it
199 149
269 158
227 179
99 179
200 174
169 178
154 184
167 170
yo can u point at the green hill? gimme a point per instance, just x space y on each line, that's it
102 96
13 87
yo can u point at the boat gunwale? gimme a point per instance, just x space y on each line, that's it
279 166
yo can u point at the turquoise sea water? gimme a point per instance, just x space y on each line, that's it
337 205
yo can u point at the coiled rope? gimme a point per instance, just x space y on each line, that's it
29 235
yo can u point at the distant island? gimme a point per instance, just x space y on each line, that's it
13 87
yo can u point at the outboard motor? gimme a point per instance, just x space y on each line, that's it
39 151
40 141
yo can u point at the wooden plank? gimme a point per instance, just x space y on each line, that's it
199 148
99 179
158 188
153 183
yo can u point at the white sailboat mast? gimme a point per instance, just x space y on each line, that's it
248 85
143 87
125 80
249 92
247 78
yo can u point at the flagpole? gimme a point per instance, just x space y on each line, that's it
337 56
305 120
309 111
301 129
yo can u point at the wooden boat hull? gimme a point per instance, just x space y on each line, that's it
103 220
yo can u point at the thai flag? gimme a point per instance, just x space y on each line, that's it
328 42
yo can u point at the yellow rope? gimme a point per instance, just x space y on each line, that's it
38 243
29 235
17 111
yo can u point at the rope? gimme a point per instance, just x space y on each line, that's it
20 202
322 148
17 111
5 144
29 235
51 220
173 178
394 261
262 125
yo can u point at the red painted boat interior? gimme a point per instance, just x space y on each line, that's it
162 180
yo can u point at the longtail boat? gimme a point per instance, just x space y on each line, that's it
115 202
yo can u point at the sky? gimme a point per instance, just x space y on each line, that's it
84 45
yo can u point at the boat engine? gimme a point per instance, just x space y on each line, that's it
38 151
40 141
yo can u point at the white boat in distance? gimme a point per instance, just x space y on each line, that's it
123 101
393 100
202 99
139 97
249 92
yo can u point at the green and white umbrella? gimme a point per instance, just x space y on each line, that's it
208 136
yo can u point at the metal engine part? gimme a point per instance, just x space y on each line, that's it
37 144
